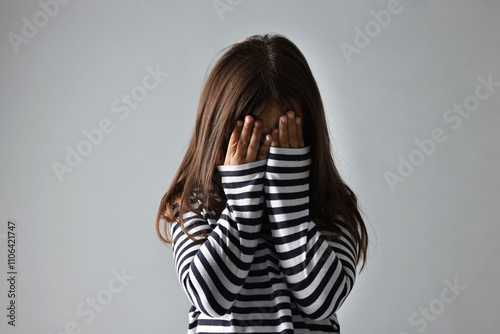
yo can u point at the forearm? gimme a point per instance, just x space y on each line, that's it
213 273
318 279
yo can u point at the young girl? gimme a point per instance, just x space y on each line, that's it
266 236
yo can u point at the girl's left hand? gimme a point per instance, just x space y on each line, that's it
289 132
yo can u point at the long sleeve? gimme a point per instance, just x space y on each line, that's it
320 273
213 273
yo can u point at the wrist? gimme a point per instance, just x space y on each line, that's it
243 183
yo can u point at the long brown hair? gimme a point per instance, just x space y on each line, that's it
261 71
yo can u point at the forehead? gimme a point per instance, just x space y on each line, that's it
274 111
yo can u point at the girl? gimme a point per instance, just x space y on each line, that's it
266 236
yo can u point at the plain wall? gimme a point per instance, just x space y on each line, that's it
405 103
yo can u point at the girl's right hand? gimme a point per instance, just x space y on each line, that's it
244 143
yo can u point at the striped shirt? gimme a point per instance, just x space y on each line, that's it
265 267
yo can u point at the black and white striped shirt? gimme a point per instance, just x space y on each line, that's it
265 267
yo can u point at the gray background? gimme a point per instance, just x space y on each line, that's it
439 225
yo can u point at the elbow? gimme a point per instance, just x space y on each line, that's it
315 308
323 312
323 305
208 306
319 315
316 314
206 302
212 313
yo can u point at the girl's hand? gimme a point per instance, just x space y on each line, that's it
289 132
244 143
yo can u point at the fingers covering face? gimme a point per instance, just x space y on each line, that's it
264 150
300 133
233 141
290 133
244 143
253 147
283 131
244 139
275 142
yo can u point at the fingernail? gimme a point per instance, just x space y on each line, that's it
283 119
291 115
257 124
239 123
248 119
297 120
